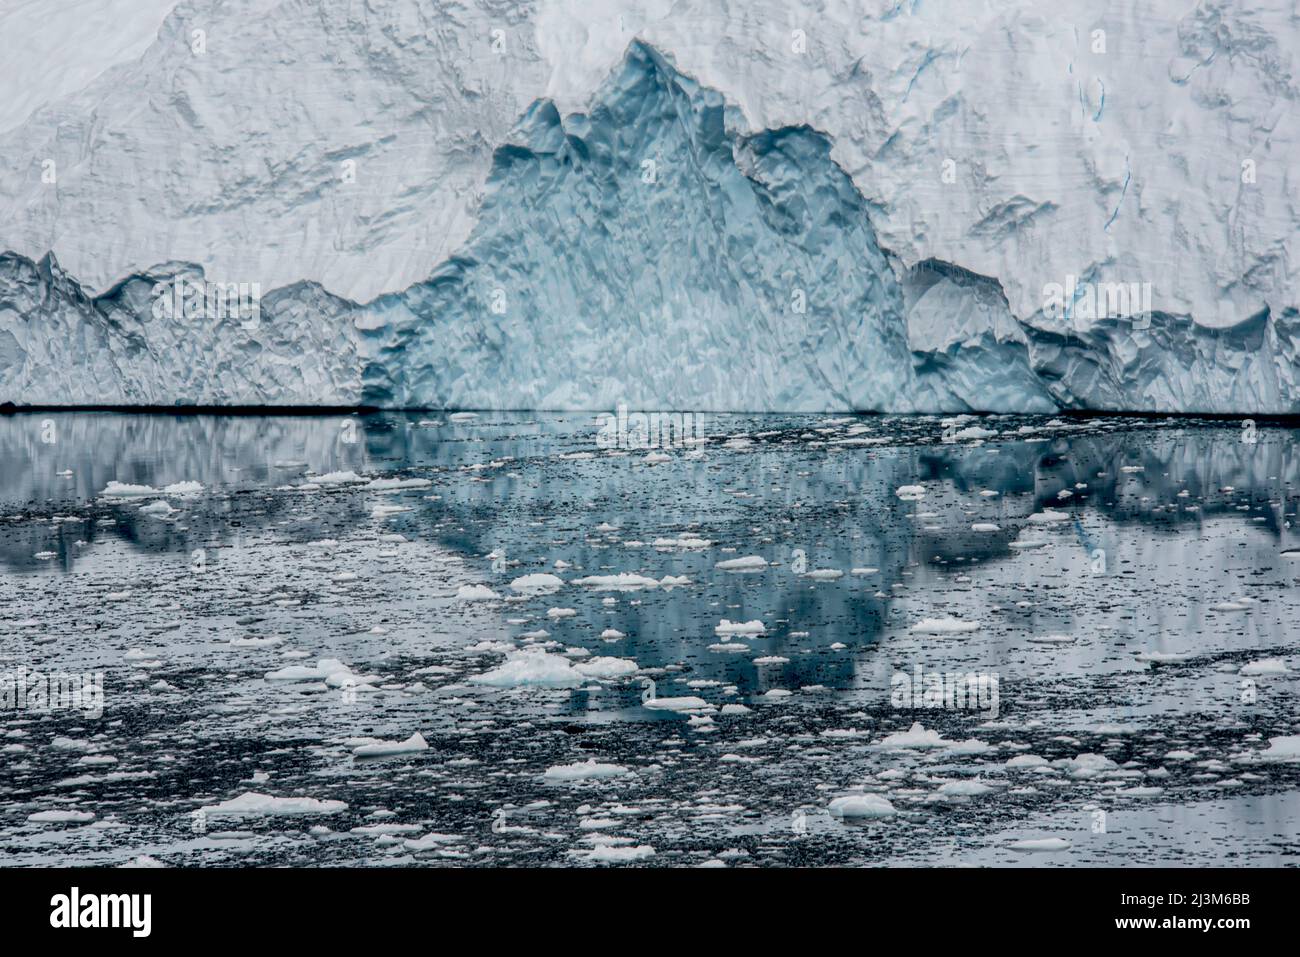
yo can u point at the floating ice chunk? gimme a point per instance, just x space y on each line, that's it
726 627
183 488
825 574
985 527
252 804
944 626
600 667
430 842
1040 845
1285 748
462 417
771 660
558 613
123 490
1237 604
620 582
864 571
1049 516
395 484
589 770
917 736
1265 666
532 667
338 478
541 583
730 647
411 745
1085 766
612 634
607 854
61 817
1052 639
475 593
910 492
750 563
861 806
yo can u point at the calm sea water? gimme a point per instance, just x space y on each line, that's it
1124 584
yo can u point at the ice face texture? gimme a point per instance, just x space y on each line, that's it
794 242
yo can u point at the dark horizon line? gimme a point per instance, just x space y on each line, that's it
11 409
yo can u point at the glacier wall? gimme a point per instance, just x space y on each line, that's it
852 205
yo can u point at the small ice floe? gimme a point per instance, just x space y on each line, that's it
541 583
430 842
771 660
989 493
555 614
1052 639
1162 657
915 737
1236 604
731 709
1027 761
532 667
973 432
727 627
623 581
61 817
612 854
985 527
45 556
1027 543
750 563
183 488
1285 749
729 647
116 489
384 511
252 804
1049 516
861 807
1041 845
611 634
962 789
475 593
255 641
462 417
910 493
1132 468
1084 766
381 749
600 667
157 507
590 770
1265 666
862 572
944 626
684 542
396 484
825 574
1064 494
1141 791
339 478
685 703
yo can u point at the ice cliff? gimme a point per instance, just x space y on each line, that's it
688 205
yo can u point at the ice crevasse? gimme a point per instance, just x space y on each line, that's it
651 250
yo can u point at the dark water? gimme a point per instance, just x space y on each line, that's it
1159 578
